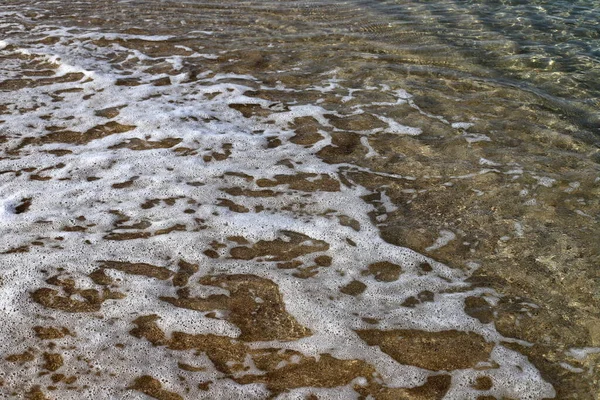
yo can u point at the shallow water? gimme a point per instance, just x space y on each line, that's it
299 200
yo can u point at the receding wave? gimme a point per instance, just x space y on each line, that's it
292 200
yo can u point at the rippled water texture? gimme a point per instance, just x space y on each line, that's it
299 200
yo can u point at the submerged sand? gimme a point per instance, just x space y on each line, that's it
221 200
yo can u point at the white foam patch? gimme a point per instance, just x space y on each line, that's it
571 368
545 181
399 129
462 125
582 352
364 140
445 237
339 393
199 114
476 137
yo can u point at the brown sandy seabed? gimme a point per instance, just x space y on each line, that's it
542 252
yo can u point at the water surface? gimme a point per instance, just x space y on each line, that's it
299 200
